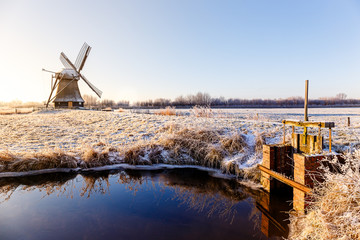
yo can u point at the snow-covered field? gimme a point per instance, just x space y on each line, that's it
73 131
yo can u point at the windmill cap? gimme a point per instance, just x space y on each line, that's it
69 73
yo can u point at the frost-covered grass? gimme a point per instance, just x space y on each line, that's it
9 111
210 148
92 138
335 211
230 140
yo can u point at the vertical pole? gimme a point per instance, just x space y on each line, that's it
319 139
329 139
306 109
284 134
348 121
306 100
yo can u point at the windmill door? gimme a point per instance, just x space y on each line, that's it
70 104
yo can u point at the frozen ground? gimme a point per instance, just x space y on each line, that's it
73 130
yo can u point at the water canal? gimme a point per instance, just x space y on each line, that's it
133 204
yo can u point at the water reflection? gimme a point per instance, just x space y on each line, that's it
48 183
190 193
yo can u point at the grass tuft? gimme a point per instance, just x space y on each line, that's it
95 158
168 111
201 111
56 158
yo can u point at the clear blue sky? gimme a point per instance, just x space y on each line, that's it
150 49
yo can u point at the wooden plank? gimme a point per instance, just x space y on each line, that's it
285 180
297 123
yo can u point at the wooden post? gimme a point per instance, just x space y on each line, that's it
306 106
306 100
348 121
305 109
329 139
319 139
284 134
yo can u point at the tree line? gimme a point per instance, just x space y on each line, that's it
94 102
204 99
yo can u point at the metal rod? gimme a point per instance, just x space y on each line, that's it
48 71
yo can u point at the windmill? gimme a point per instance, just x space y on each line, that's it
66 81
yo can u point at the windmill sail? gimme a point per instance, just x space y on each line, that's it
69 63
95 89
64 61
84 59
81 58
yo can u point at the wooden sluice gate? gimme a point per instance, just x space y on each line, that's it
296 164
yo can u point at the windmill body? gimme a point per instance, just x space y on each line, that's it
66 82
70 95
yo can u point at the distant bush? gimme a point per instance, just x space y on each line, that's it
200 111
168 111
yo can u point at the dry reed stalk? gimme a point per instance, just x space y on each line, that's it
7 156
188 146
93 158
93 185
335 210
200 111
234 143
168 111
37 161
53 158
252 174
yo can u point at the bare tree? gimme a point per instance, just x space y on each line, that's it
107 103
90 101
341 96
